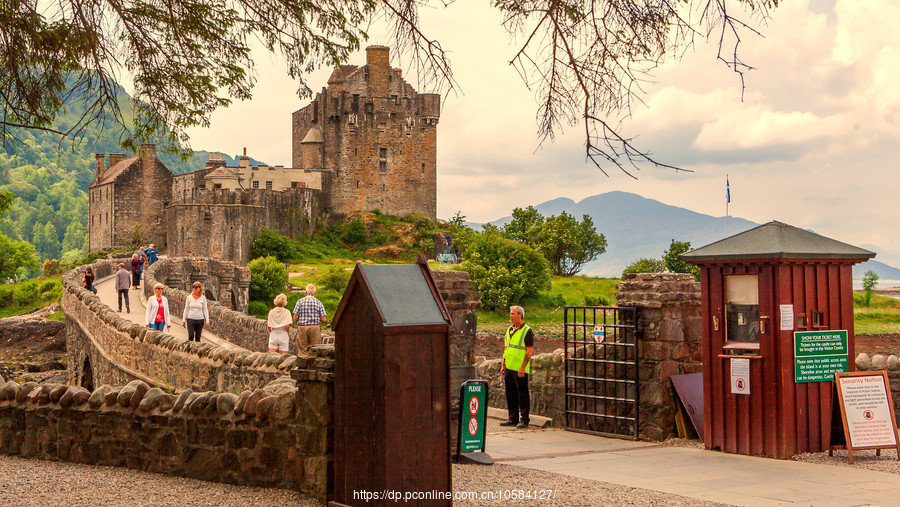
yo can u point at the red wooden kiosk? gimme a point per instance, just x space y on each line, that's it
392 387
760 288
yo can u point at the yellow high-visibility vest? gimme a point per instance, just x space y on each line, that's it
514 351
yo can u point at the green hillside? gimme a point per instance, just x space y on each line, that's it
49 177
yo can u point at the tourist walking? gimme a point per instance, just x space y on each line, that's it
137 266
152 254
196 312
88 280
157 314
279 324
516 366
309 312
122 281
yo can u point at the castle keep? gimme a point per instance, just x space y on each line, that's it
368 140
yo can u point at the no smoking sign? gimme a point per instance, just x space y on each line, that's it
473 426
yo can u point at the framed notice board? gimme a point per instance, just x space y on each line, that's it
867 411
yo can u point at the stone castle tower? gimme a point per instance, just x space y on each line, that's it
374 136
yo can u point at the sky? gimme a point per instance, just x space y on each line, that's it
811 143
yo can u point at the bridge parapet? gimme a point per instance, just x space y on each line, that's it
104 348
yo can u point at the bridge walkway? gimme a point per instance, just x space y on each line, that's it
106 290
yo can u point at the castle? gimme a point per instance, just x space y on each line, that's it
367 141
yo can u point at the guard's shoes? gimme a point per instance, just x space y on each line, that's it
521 425
508 422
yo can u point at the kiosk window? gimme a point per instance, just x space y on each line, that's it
742 309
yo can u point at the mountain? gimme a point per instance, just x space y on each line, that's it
637 227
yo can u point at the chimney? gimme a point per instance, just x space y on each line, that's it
100 168
245 160
378 70
148 151
114 158
215 160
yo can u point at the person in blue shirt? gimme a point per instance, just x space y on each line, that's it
152 254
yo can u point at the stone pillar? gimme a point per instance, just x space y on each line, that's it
669 341
240 291
225 297
461 300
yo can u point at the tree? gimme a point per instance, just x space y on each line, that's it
568 244
869 283
505 271
268 277
524 226
644 265
587 60
15 256
673 262
271 243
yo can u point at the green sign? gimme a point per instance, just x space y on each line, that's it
818 355
473 415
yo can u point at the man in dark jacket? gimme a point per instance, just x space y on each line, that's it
123 282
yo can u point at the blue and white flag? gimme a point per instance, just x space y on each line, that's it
727 191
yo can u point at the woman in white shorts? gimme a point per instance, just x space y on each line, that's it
278 325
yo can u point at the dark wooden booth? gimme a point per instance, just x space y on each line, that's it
392 387
759 288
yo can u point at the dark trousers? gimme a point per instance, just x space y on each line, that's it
195 328
517 398
124 293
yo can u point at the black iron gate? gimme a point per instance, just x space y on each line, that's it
601 370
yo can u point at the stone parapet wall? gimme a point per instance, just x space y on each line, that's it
669 342
280 435
104 348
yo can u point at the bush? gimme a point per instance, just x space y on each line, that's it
26 294
259 308
269 243
505 271
356 234
51 267
596 300
644 265
335 279
268 277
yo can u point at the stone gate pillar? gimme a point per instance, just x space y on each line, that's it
669 340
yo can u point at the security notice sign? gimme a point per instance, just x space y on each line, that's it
740 376
867 411
818 355
473 413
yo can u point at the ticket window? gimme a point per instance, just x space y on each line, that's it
742 312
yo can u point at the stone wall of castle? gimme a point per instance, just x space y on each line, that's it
103 348
223 223
279 435
225 285
379 140
130 207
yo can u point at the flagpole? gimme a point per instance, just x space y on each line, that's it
727 201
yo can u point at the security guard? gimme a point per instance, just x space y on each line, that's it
518 348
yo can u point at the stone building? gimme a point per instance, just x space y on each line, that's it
367 141
128 199
378 140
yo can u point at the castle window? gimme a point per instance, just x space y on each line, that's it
255 184
334 104
423 168
382 152
217 185
357 183
381 127
382 187
268 185
382 166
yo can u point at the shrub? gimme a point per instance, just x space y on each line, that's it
258 308
505 271
356 234
26 294
268 277
335 279
269 243
596 300
644 265
51 267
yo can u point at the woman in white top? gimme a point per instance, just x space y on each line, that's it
278 325
157 314
196 312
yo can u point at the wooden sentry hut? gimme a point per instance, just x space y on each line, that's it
392 397
752 283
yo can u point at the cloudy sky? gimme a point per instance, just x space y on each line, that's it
812 143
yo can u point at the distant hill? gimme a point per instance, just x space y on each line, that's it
637 227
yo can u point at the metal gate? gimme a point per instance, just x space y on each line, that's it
601 370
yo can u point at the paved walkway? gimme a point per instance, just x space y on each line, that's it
695 473
106 290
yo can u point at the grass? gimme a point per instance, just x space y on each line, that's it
882 316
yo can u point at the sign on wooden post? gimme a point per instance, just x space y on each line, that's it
867 411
